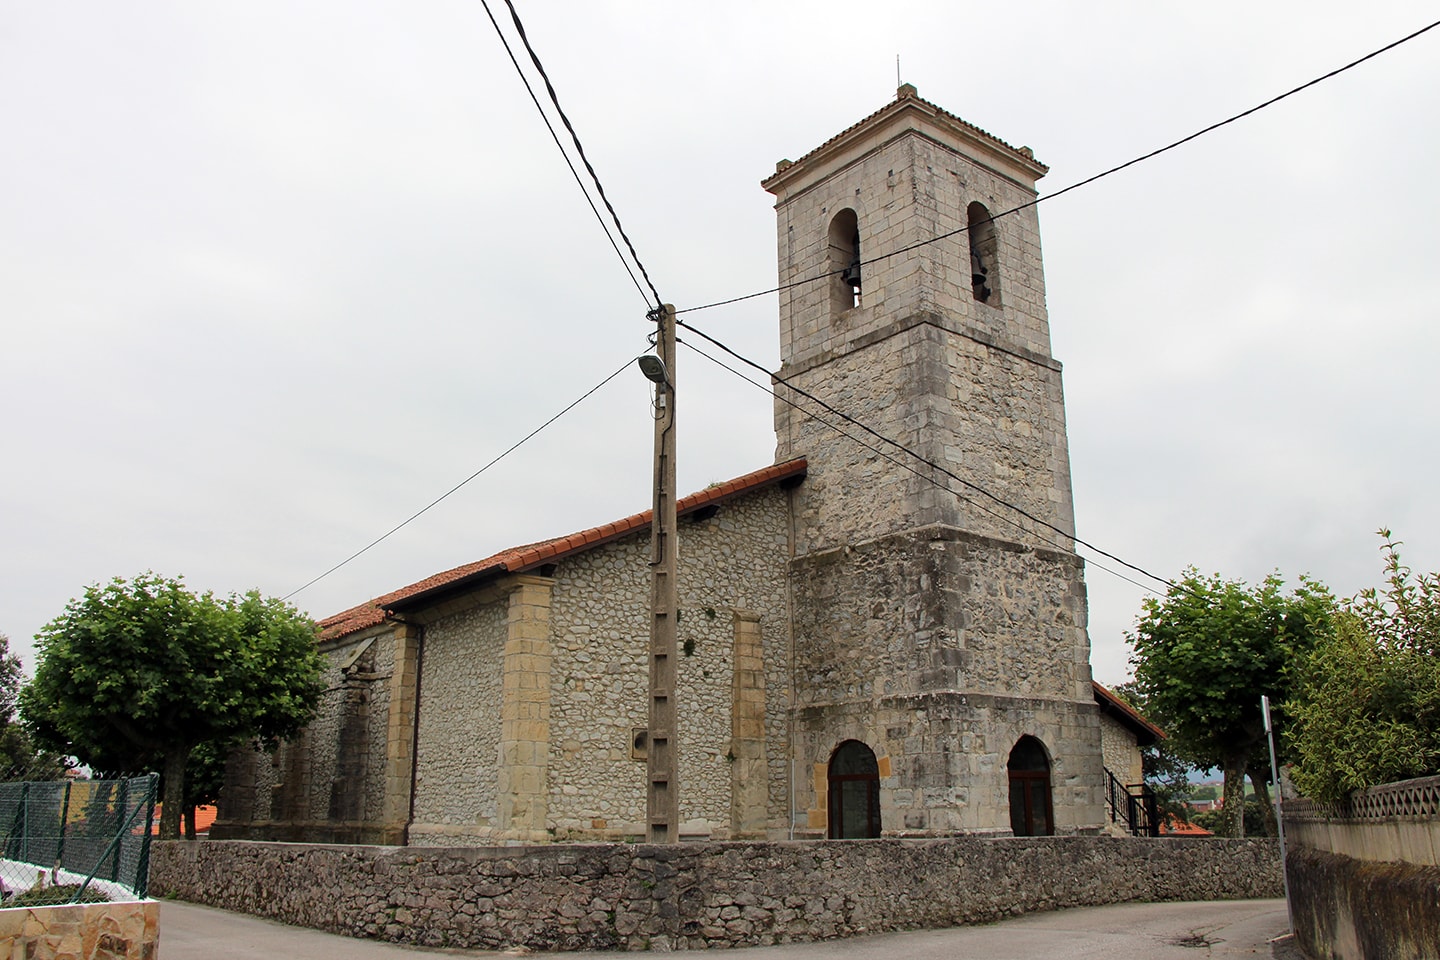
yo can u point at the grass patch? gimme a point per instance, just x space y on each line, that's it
58 894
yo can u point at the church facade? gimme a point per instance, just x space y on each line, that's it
876 639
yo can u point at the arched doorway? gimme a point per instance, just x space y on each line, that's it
854 783
1031 814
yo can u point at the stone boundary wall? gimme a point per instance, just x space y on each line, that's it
1365 873
90 931
1392 822
1348 909
696 895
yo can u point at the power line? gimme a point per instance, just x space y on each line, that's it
579 148
1075 186
907 467
929 463
505 453
561 147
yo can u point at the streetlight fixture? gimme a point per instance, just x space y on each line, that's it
654 369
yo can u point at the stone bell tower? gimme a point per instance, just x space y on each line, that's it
941 661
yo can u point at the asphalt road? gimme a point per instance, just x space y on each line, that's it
1135 931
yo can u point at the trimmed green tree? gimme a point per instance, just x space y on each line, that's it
144 668
1366 708
1204 655
20 757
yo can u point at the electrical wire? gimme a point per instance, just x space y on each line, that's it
561 147
1075 186
907 467
579 148
503 454
929 463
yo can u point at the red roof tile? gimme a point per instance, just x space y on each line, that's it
531 555
1112 704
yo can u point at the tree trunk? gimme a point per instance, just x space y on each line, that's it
175 760
1233 811
189 821
1262 793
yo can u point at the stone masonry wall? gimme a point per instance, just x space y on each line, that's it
734 560
904 191
128 930
695 895
938 609
459 716
332 774
939 650
987 415
1117 745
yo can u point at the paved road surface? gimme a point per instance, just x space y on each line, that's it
1135 931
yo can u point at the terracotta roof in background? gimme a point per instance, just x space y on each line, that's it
532 555
204 817
1111 703
1175 827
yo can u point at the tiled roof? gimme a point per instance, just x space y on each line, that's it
906 97
532 555
1175 827
1146 732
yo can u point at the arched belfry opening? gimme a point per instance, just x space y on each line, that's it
984 254
1031 811
854 789
845 261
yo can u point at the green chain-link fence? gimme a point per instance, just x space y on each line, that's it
73 841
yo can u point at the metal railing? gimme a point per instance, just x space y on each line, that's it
1132 804
74 841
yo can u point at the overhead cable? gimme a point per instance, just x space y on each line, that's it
563 153
579 148
925 460
1074 186
891 458
501 456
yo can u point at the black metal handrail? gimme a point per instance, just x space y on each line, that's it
1133 804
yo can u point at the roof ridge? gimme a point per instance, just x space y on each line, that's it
530 555
899 101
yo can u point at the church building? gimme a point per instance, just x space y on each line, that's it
872 643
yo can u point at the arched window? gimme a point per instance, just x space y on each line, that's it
844 261
1031 814
984 255
854 782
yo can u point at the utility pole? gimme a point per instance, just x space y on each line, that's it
662 808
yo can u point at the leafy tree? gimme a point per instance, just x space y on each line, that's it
1204 655
143 668
20 758
1215 821
1367 705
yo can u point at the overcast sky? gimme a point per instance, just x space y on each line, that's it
275 275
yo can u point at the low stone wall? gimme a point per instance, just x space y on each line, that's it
625 896
91 931
1365 873
1347 909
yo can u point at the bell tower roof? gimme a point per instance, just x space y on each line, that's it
908 112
